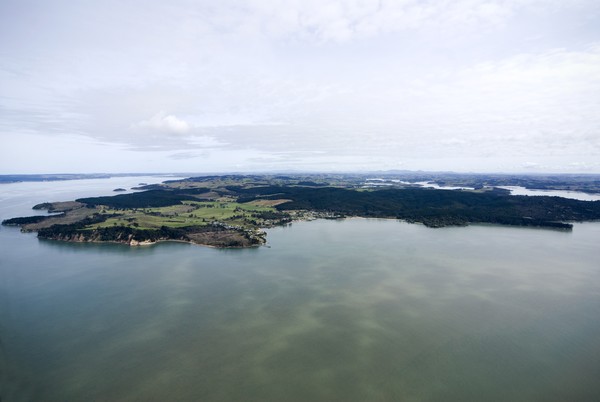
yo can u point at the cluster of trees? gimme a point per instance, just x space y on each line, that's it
112 233
144 199
311 184
43 205
26 220
269 215
73 228
430 206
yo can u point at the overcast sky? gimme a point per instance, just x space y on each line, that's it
333 85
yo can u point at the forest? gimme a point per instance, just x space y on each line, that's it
435 208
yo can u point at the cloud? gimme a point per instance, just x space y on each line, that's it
582 166
355 80
189 155
164 123
453 141
530 165
346 20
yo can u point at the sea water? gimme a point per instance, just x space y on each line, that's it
349 310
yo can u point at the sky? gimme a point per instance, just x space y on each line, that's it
299 85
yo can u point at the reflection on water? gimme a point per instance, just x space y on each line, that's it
348 310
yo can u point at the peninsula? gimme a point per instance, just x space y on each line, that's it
232 210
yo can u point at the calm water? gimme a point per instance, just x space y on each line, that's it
354 310
577 195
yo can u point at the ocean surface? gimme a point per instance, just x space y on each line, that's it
349 310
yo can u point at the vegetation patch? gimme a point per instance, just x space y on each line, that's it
144 199
230 210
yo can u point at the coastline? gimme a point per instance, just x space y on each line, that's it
229 211
218 241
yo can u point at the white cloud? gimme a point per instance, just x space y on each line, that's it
345 20
453 141
530 165
348 80
164 123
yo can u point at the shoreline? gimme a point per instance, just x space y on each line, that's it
307 217
148 243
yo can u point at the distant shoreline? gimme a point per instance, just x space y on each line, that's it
229 211
24 178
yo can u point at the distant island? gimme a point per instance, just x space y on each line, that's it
232 210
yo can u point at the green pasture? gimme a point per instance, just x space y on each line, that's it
189 213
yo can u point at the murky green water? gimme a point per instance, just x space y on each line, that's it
354 310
